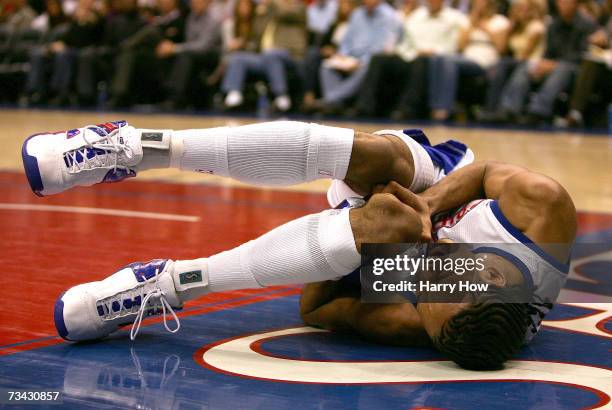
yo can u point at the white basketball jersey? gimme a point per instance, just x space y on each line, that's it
482 222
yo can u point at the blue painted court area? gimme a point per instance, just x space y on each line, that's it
158 370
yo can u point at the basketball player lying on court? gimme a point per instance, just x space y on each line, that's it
499 203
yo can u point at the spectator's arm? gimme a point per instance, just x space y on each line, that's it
346 45
500 39
534 38
209 39
464 36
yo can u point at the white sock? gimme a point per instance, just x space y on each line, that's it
313 248
271 153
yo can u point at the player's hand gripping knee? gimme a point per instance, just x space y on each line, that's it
412 200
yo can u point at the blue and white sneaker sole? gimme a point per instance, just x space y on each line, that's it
30 165
58 318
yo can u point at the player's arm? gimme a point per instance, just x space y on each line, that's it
534 203
329 306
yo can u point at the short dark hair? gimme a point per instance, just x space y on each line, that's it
486 334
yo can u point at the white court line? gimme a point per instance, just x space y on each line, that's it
99 211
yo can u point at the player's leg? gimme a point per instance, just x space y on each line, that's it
419 163
274 153
313 248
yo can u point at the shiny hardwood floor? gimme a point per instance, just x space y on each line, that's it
581 163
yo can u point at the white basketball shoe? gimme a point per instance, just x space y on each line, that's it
94 310
55 162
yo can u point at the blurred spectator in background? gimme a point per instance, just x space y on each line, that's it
566 41
321 15
481 44
405 8
525 43
200 52
16 14
429 31
280 26
373 28
96 60
137 53
84 29
52 18
324 47
238 34
594 78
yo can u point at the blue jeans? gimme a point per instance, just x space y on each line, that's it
444 73
541 102
272 64
337 86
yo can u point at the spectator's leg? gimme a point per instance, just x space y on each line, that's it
435 81
542 103
275 63
122 78
205 64
346 87
469 72
180 76
330 80
587 79
414 89
62 73
376 76
312 64
498 77
35 82
274 66
86 74
443 83
515 91
238 65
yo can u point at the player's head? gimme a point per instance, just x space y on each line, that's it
484 335
486 328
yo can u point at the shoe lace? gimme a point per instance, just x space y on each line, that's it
95 154
145 296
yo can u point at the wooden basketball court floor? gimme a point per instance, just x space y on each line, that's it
249 349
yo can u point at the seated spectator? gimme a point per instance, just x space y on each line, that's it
405 8
238 34
199 52
280 27
429 31
138 51
566 40
525 42
594 76
321 15
96 61
324 47
17 15
52 18
84 29
481 43
372 29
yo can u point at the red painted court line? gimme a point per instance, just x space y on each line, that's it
290 291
